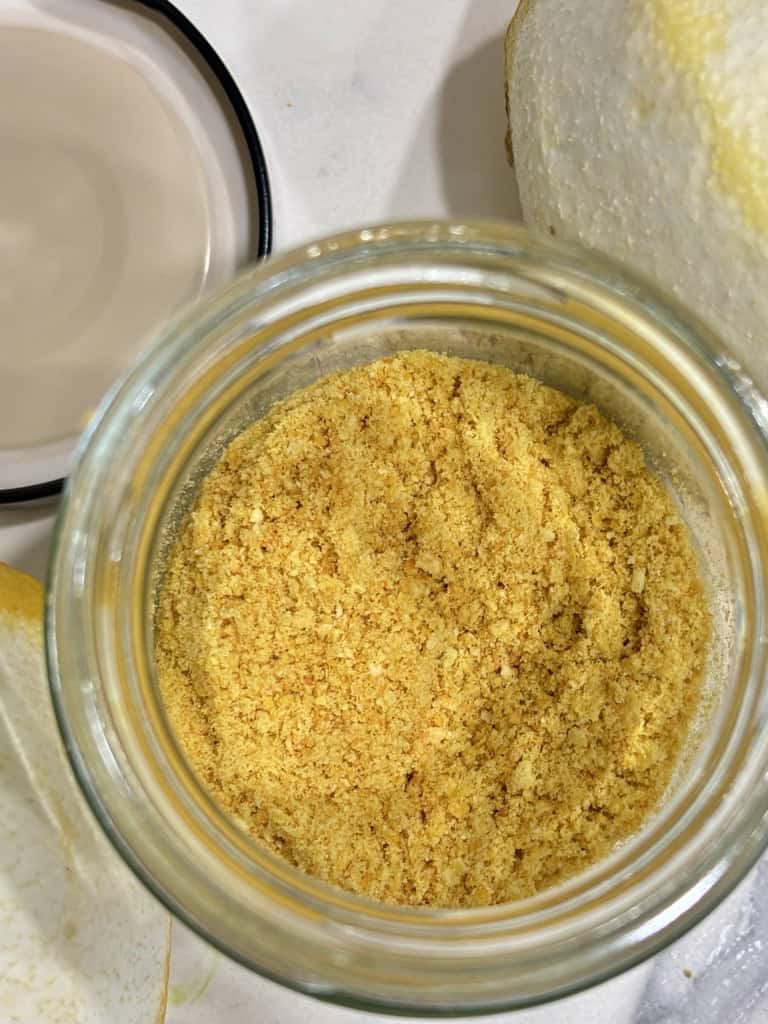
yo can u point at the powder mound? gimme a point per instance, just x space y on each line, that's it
433 632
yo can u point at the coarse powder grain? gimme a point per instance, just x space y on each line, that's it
433 632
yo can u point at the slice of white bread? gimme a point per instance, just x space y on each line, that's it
81 942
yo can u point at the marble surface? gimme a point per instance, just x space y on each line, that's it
367 112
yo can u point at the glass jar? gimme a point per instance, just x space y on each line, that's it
486 291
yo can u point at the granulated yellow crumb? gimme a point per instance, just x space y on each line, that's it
433 632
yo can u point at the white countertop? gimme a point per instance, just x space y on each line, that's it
367 112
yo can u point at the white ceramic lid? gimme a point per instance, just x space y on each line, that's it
131 181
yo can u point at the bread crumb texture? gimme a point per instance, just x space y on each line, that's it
433 632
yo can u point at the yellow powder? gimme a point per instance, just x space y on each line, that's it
433 632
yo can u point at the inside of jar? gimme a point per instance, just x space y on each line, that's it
644 405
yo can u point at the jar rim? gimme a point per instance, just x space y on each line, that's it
94 732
